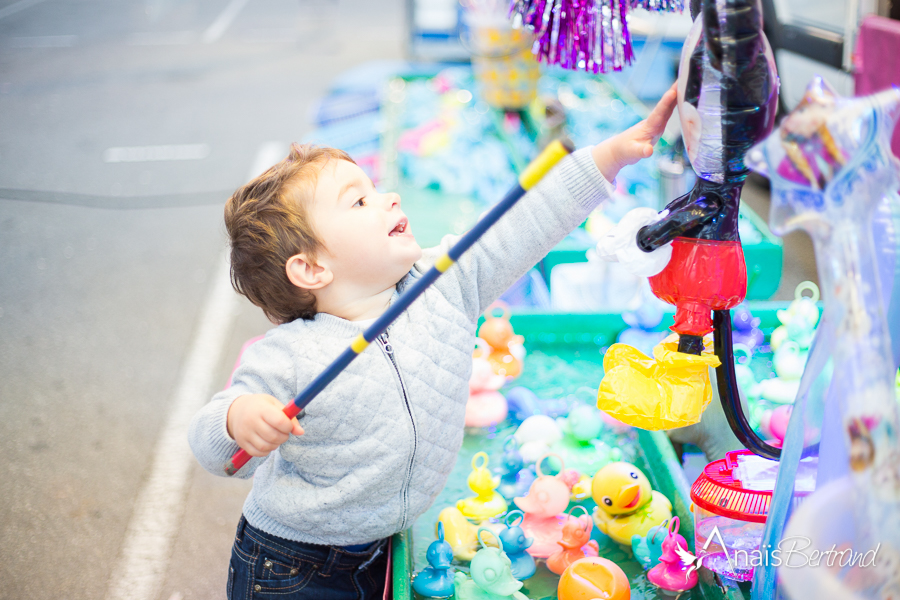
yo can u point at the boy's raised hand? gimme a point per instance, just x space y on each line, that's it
258 424
635 143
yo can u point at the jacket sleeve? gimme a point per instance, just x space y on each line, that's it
265 368
523 236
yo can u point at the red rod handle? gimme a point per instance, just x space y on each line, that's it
241 457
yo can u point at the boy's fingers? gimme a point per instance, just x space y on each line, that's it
297 430
662 111
277 419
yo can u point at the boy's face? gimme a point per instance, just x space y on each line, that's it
367 237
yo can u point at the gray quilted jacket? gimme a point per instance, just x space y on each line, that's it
382 438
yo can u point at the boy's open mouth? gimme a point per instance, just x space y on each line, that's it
400 228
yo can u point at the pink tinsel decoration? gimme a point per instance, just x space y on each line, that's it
583 34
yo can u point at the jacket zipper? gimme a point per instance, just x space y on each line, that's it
389 350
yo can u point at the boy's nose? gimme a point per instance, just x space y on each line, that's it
392 200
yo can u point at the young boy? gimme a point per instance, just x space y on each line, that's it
324 253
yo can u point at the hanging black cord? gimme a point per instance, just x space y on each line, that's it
728 390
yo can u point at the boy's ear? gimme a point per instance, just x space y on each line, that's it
307 274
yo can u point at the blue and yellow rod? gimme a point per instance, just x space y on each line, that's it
532 174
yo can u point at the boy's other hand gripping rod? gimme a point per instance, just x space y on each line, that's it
532 174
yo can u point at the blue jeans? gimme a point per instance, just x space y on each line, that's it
264 566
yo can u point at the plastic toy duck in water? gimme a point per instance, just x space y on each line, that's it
626 505
486 406
487 502
492 577
543 507
515 544
459 532
677 568
647 549
436 580
576 542
505 350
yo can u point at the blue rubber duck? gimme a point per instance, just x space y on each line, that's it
436 580
514 545
515 478
648 548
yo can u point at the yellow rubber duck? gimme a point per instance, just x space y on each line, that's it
459 532
626 504
487 502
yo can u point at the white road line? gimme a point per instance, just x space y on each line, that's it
159 507
223 21
17 6
156 153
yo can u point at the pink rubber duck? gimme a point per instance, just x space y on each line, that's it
543 506
677 568
576 541
486 406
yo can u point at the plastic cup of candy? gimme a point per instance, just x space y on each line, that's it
729 518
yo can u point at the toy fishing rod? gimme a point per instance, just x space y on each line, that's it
532 174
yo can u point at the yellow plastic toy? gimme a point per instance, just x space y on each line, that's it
459 532
670 390
626 504
487 502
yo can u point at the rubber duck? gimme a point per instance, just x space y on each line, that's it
626 504
789 360
543 506
576 542
486 502
535 436
799 320
486 406
515 478
492 577
524 403
745 328
459 533
436 580
580 447
648 548
593 577
677 568
515 545
506 349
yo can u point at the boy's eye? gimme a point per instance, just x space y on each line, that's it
360 202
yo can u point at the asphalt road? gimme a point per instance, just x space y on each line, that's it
124 126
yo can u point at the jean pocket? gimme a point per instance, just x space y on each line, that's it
275 575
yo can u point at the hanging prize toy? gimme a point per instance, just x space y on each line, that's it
727 96
593 577
543 507
436 580
576 541
677 568
515 544
833 174
626 504
591 35
799 320
648 548
486 502
492 577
